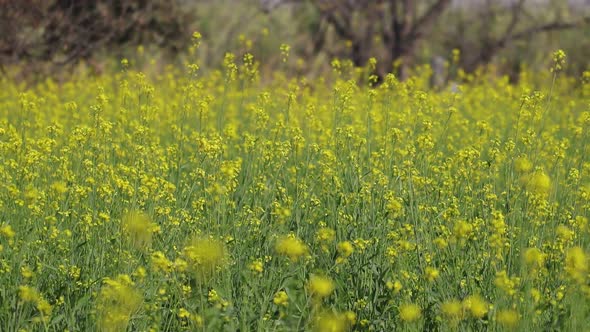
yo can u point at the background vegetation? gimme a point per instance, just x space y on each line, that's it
58 34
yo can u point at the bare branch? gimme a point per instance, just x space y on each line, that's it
270 5
427 20
527 33
340 18
516 14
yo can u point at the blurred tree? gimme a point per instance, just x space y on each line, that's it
392 30
62 32
482 32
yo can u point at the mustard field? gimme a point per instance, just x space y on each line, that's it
191 201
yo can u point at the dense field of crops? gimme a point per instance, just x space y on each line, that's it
220 203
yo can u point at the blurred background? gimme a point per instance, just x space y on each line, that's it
298 37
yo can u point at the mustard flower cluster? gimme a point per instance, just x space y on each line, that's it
214 201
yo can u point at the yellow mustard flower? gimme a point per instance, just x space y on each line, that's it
476 306
410 312
320 287
281 299
204 255
508 318
139 229
291 247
